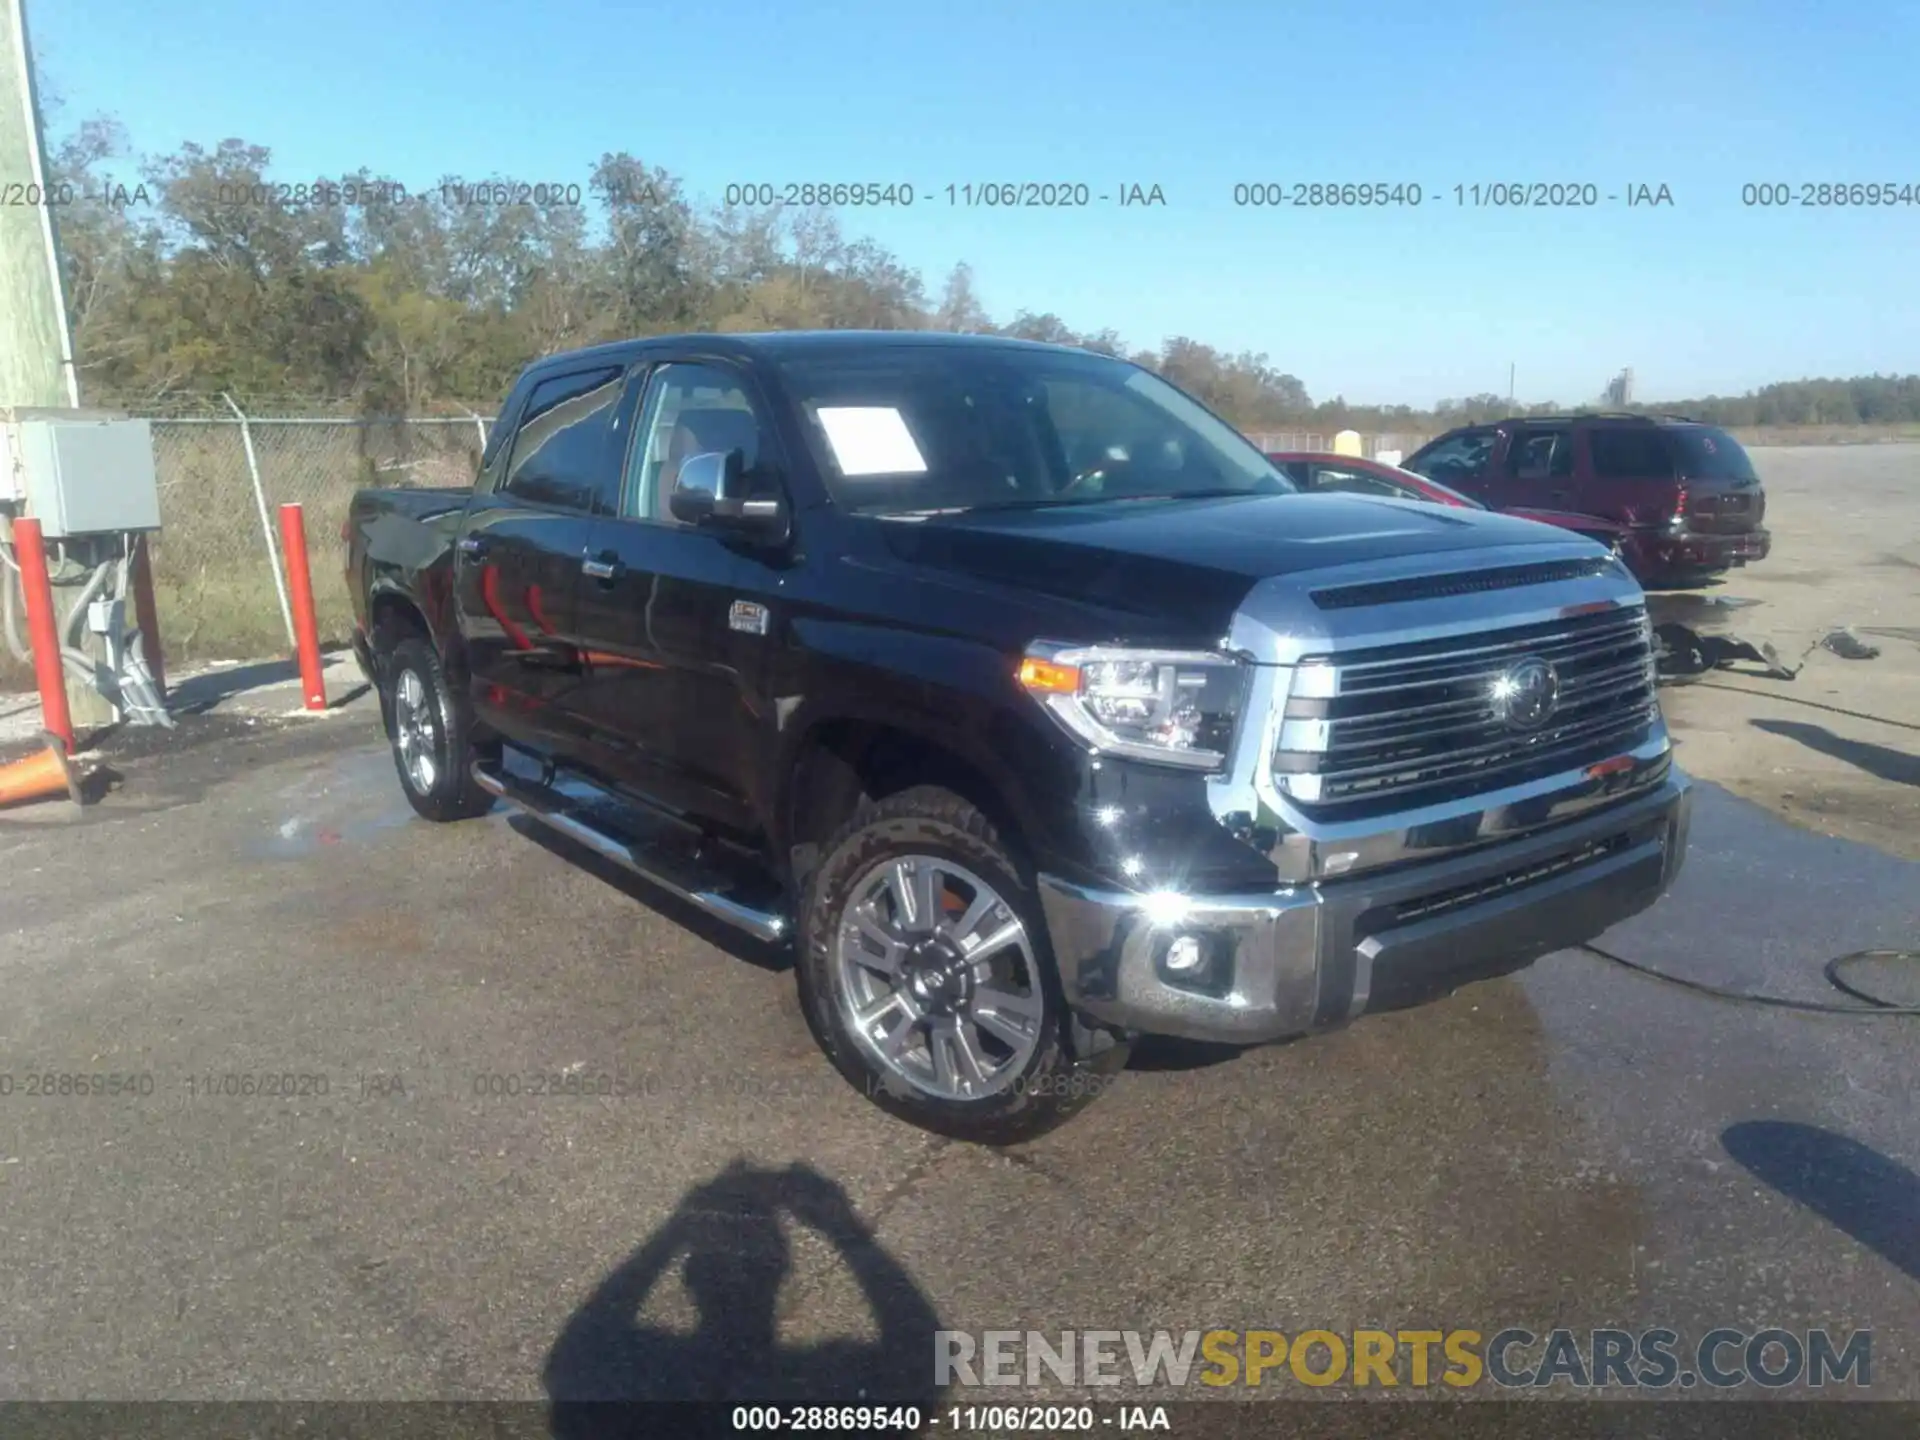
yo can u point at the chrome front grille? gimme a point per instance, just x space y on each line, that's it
1434 719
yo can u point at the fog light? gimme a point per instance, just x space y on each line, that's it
1196 961
1185 955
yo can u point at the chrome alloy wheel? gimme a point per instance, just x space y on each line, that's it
937 978
416 732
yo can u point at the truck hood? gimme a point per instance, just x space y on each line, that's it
1189 563
1248 537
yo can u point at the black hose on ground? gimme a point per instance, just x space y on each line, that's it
1833 971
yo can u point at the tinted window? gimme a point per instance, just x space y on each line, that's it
1629 454
910 428
1709 454
1455 458
563 450
1537 453
498 431
691 410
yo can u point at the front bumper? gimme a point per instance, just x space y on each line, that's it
1313 956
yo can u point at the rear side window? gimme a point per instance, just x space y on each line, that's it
1456 458
1709 454
501 429
1629 454
1541 453
563 450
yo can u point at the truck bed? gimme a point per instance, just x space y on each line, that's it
408 528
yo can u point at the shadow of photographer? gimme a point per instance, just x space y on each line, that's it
730 1237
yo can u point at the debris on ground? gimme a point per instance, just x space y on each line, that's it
1849 646
1686 654
1723 650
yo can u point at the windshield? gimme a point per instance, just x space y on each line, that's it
915 428
1710 454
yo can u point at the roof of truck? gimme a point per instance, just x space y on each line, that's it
786 344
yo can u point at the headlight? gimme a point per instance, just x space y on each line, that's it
1176 707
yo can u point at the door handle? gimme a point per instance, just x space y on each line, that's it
600 569
474 545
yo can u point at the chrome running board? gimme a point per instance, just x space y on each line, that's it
621 834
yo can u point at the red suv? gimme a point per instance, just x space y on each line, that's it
1351 475
1685 494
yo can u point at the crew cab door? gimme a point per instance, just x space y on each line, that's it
517 556
676 622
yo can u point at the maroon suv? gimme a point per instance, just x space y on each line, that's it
1685 494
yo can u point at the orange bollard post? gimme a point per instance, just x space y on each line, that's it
306 629
43 631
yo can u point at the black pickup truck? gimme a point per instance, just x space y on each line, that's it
1021 695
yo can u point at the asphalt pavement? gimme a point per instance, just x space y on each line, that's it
326 1172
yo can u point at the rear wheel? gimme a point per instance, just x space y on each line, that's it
925 974
430 735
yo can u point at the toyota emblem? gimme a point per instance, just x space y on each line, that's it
1526 694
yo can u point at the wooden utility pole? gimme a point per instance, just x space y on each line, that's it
36 347
36 350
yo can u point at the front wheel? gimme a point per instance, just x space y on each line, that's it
925 975
432 747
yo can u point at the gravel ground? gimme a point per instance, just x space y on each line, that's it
1837 749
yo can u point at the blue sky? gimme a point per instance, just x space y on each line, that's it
1409 305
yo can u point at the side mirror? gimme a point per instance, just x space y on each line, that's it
710 494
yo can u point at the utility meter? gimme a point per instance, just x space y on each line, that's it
81 472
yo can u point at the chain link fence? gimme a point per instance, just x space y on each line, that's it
216 562
217 565
1371 445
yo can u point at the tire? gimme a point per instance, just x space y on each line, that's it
430 735
1003 1012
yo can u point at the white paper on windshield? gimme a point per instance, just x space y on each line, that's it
870 440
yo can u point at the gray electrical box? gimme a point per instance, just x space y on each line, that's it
83 473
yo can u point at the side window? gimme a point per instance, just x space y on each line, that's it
563 452
1629 454
499 432
1358 482
1457 459
1541 455
689 410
